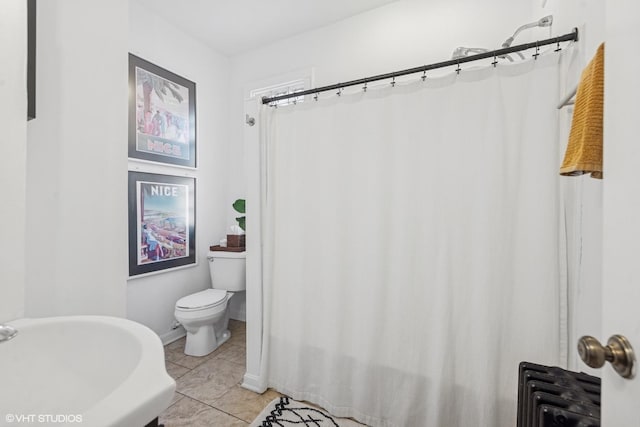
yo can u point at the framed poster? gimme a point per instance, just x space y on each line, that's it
31 59
161 222
162 115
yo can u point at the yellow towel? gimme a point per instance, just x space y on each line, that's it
584 150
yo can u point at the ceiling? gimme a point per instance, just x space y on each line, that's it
232 27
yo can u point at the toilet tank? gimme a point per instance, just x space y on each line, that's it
227 270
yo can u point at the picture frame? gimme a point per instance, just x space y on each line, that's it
162 228
31 59
162 115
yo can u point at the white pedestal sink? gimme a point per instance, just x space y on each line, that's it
82 370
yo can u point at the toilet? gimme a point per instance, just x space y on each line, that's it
205 314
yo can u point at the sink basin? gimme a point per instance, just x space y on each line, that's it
83 370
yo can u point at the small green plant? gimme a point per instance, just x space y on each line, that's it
239 206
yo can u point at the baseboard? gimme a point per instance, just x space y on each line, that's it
173 335
252 382
239 314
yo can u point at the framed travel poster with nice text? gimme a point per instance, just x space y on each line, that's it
162 115
161 222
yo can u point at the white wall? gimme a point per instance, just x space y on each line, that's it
13 144
76 197
403 34
76 162
151 300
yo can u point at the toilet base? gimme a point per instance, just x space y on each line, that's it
204 341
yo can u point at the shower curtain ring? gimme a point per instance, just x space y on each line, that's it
458 69
393 82
315 97
424 75
535 55
364 88
339 92
495 60
558 48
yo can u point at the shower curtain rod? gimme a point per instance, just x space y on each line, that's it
573 36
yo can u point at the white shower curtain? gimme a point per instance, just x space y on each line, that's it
411 247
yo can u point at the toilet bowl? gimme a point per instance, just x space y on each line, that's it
205 314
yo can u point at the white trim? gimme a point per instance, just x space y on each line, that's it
239 312
286 88
172 335
254 251
306 74
252 382
303 81
151 162
166 270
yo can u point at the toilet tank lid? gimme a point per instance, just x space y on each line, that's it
208 297
227 254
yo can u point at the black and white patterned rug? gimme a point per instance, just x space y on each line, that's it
285 412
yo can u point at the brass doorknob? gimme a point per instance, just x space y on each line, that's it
618 352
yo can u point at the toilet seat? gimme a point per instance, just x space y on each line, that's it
202 300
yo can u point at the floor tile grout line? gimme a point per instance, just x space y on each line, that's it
180 376
228 413
217 409
186 367
237 383
180 366
206 358
183 396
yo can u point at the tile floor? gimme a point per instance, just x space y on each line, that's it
208 391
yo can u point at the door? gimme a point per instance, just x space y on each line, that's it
621 206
